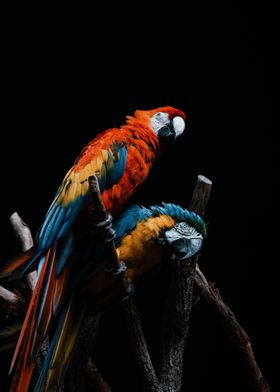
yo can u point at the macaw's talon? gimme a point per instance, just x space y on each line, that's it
116 272
103 224
129 291
110 235
104 227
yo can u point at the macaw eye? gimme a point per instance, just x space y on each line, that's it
158 120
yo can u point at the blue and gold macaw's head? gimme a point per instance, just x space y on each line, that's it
144 238
140 231
183 240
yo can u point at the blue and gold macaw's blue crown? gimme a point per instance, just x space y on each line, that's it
135 214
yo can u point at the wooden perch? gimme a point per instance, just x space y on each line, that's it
233 329
103 223
24 235
94 381
22 231
132 317
179 305
139 347
14 301
82 371
9 297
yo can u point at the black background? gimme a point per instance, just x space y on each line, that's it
70 71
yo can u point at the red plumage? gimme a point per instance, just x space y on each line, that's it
122 159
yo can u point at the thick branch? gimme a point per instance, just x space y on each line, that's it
130 311
234 330
11 304
139 347
78 374
82 372
102 221
24 235
200 195
9 296
175 328
22 231
179 304
94 381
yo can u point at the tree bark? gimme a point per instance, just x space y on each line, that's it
139 347
239 338
179 304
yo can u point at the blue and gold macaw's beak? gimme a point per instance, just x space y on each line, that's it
184 241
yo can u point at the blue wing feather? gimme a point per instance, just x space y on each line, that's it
116 171
59 219
129 219
66 249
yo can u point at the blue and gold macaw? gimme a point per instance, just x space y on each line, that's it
143 236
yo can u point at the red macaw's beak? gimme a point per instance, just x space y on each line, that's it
173 129
169 131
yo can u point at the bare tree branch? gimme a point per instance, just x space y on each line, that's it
233 329
130 311
94 381
139 347
78 373
8 295
24 235
103 222
179 304
22 231
83 373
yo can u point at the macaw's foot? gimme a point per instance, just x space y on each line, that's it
127 289
118 271
104 228
128 292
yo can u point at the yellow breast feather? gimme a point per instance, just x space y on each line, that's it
138 250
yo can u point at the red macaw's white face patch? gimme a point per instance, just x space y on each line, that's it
161 119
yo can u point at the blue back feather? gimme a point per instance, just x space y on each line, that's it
129 219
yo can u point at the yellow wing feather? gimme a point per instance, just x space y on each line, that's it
75 184
64 347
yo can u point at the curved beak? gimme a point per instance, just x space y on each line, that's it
184 249
167 132
184 246
173 129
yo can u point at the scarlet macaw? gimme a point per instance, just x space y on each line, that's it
121 159
143 237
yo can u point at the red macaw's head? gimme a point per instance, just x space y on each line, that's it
166 122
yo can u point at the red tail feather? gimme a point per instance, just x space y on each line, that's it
25 363
44 312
